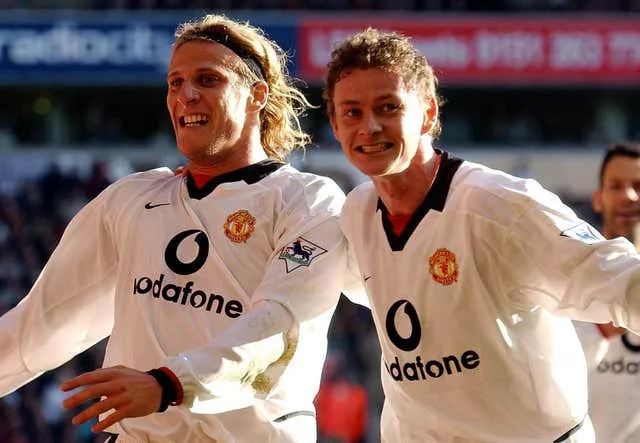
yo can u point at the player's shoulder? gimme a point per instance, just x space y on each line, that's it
148 176
485 189
486 179
317 191
140 182
288 173
361 199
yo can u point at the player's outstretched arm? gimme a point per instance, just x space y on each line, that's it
571 269
69 308
302 283
129 393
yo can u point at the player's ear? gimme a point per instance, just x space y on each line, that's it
430 116
259 96
332 120
596 201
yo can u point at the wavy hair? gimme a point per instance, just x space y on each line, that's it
389 51
280 129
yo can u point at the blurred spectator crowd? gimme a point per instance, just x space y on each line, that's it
31 223
429 5
472 117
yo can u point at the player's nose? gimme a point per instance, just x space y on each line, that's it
190 94
632 194
370 125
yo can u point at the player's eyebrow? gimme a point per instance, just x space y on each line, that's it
198 71
348 102
376 99
386 97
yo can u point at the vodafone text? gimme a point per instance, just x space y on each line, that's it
620 366
418 370
185 295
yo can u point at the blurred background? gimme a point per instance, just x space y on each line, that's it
538 88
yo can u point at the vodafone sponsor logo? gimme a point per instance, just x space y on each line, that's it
185 254
423 369
625 365
407 367
186 295
620 366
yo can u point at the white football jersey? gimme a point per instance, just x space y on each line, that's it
466 301
614 395
166 268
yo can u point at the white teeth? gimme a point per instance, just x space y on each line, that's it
378 147
195 119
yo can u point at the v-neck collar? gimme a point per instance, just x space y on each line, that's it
249 174
435 199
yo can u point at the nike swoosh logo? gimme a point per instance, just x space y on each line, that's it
368 277
150 206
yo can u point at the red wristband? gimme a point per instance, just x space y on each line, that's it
176 382
172 393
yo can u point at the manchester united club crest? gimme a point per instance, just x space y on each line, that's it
239 226
443 267
300 252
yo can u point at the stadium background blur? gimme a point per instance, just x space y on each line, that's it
535 87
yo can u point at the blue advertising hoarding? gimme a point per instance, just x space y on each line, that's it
101 48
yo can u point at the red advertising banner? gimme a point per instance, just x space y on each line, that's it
509 50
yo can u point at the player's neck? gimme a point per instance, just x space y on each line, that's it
403 193
227 161
633 237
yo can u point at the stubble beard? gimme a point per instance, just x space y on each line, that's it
208 154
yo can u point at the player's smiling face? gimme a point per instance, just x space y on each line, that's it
377 120
619 199
207 100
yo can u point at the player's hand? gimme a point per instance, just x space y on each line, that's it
128 392
181 170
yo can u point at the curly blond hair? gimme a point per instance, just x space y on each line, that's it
280 129
390 51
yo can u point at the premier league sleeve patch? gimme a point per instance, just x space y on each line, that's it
583 232
300 252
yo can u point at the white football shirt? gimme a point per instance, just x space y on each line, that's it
469 301
168 270
614 395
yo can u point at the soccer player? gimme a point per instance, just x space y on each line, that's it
613 353
217 287
473 275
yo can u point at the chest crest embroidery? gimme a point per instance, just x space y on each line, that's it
443 267
239 226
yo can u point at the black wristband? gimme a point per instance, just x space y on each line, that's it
169 391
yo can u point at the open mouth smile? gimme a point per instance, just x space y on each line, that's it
372 149
193 120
